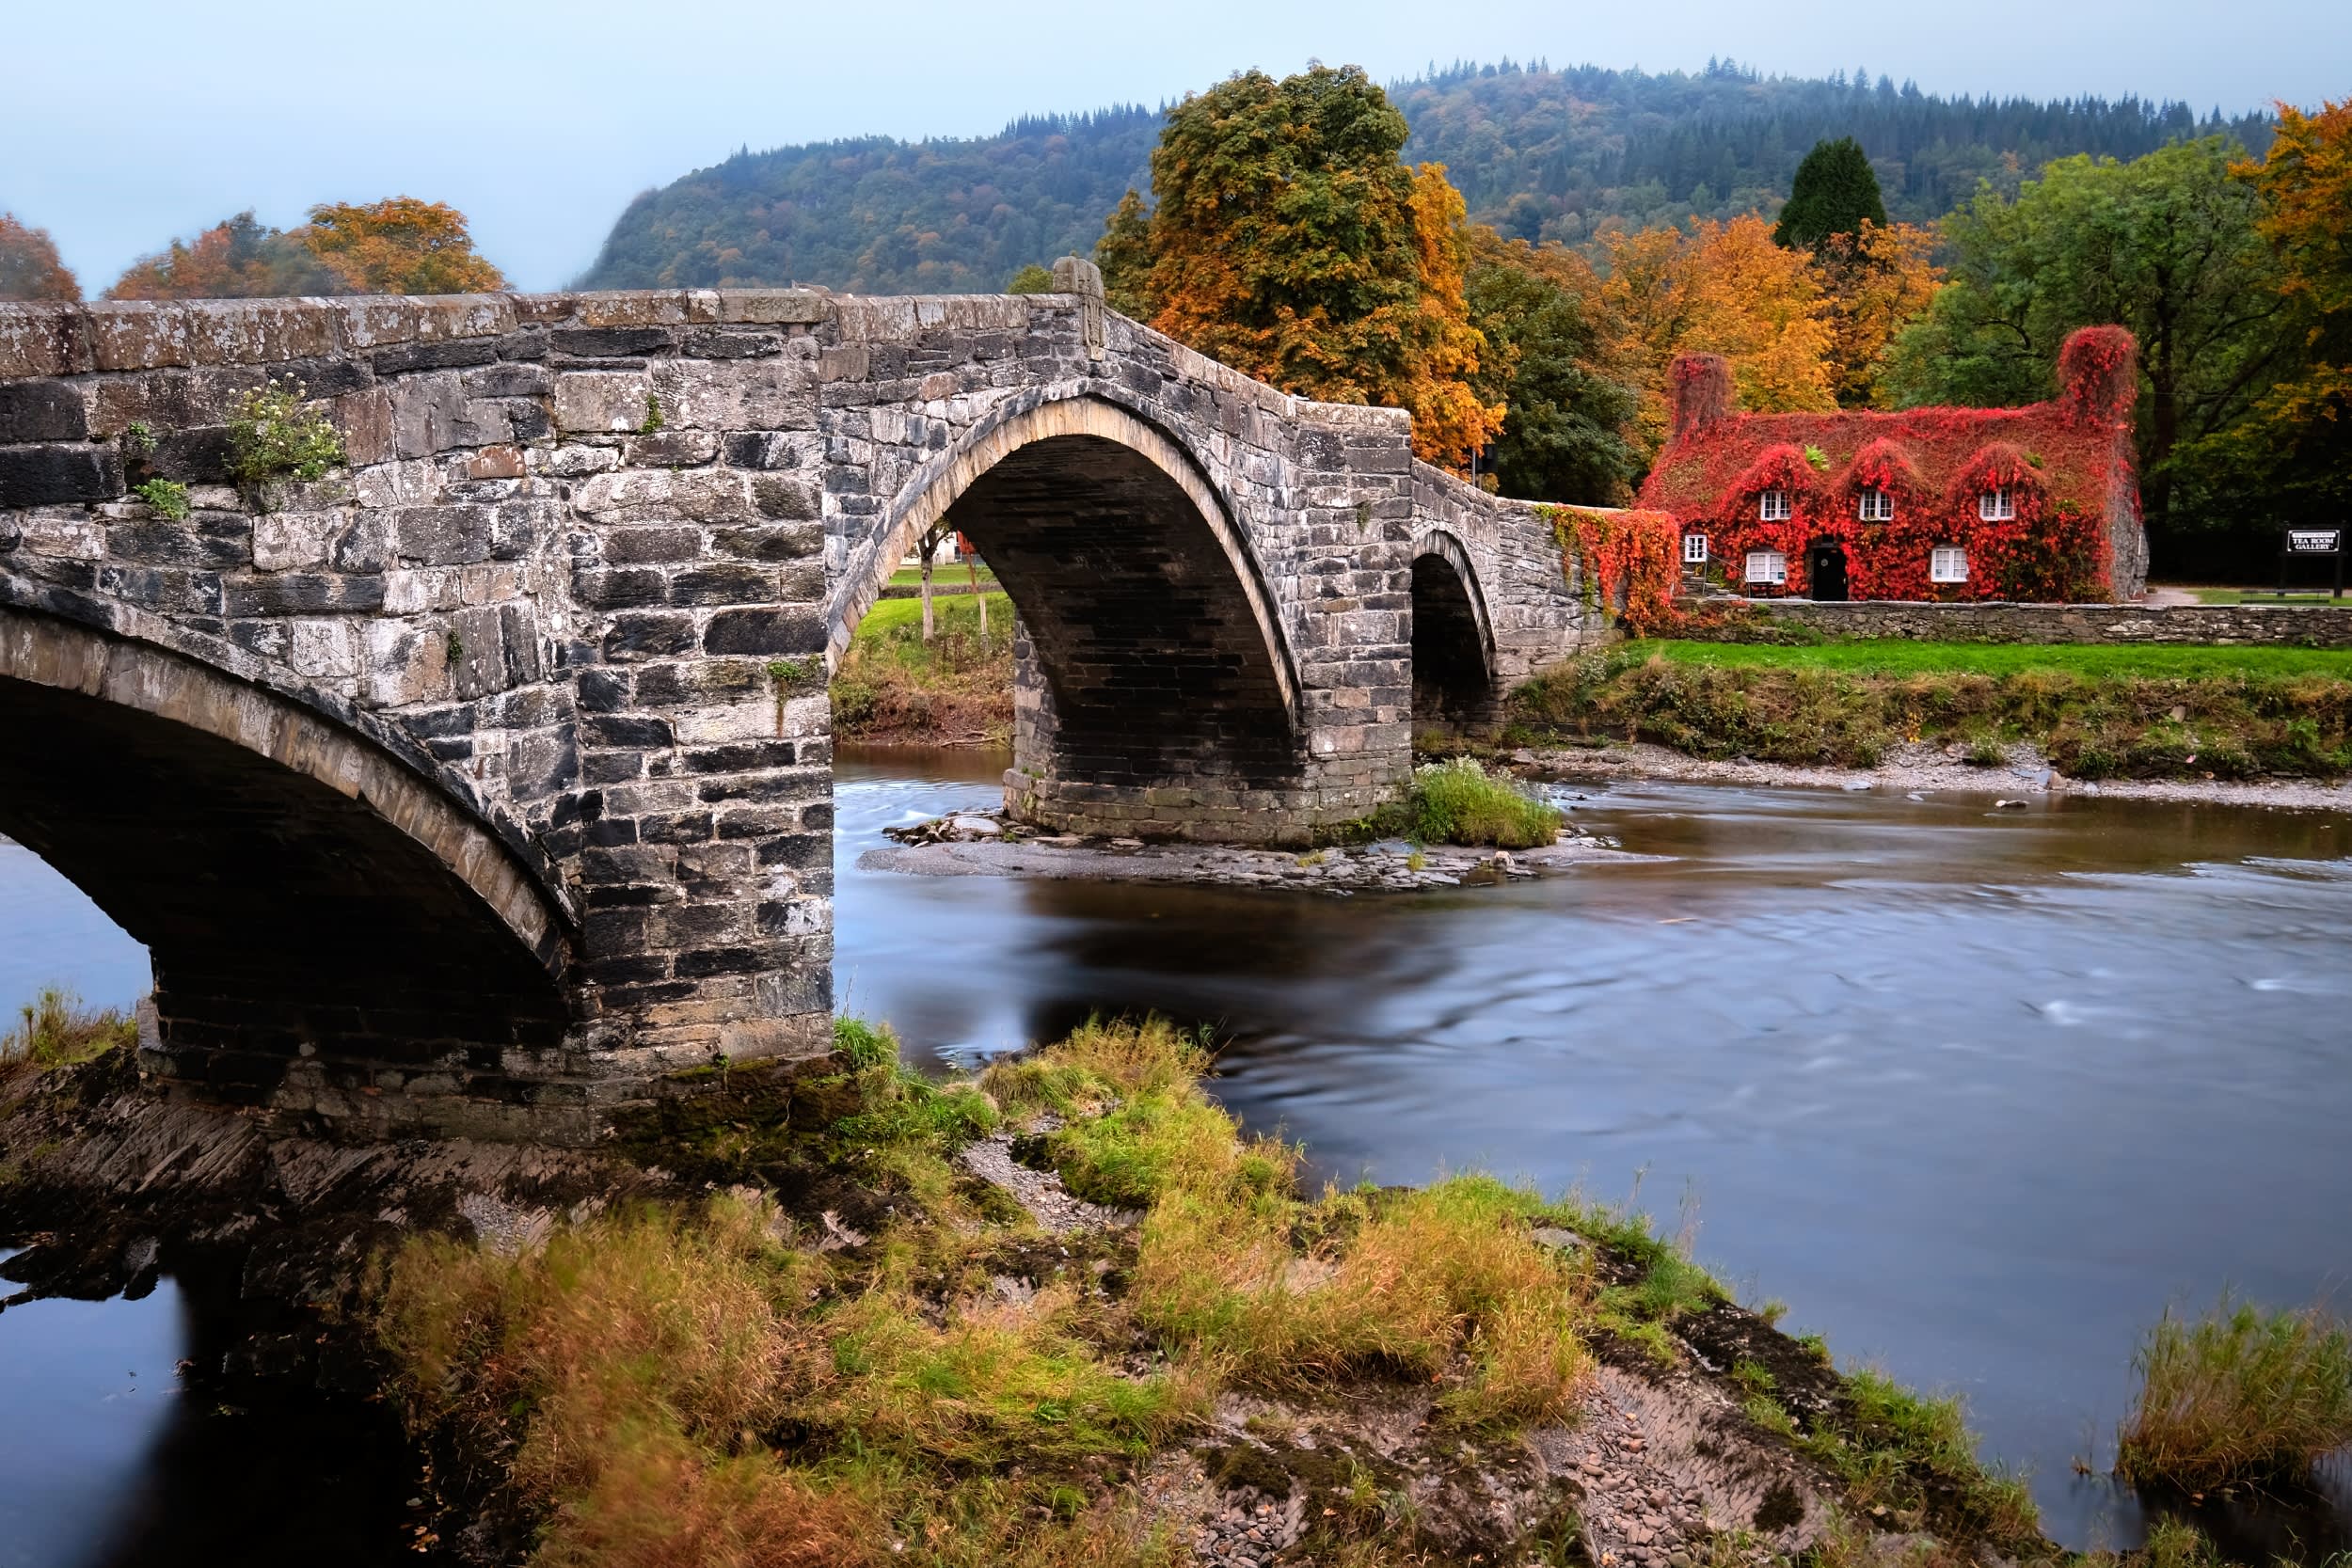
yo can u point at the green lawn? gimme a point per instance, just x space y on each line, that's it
1903 657
942 576
2298 595
956 613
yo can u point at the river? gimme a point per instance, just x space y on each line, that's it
1976 1092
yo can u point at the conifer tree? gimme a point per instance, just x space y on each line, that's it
1836 192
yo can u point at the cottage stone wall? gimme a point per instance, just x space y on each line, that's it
548 662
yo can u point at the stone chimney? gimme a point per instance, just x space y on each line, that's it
1700 384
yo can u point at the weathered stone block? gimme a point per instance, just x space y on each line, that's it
49 476
606 400
40 411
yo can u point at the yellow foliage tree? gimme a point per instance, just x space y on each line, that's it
399 246
1724 288
1873 284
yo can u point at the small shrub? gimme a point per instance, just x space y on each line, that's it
165 498
272 436
2238 1394
1460 803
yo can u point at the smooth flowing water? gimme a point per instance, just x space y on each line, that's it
1977 1092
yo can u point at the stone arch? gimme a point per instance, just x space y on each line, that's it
1152 661
938 483
302 892
1454 643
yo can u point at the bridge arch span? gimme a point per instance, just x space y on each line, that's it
320 915
1152 653
1454 664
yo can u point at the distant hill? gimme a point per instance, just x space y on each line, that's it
1539 153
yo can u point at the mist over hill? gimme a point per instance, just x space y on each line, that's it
1539 153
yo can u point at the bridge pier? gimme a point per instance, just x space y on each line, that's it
485 783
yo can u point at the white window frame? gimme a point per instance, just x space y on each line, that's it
1948 563
1875 506
1768 566
1694 549
1774 506
1998 505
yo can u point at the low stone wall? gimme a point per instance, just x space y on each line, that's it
2303 626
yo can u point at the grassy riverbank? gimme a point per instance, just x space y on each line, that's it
956 689
2095 711
861 1350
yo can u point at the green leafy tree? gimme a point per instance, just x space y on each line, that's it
1030 279
1834 192
2166 246
1565 415
1125 254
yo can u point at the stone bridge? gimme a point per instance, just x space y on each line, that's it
479 784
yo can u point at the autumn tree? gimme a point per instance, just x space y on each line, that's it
1835 191
1567 417
1724 288
2168 246
2295 443
29 268
1873 283
241 257
396 246
1292 241
399 246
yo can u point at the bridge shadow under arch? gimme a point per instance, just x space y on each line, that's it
311 906
1154 658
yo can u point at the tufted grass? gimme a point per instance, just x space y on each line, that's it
56 1030
2238 1394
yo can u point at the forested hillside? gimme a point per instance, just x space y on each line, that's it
1539 153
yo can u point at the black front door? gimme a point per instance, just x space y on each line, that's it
1825 571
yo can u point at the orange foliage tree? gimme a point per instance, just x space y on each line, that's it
1293 243
1873 284
396 246
399 246
1724 288
2296 440
238 259
29 268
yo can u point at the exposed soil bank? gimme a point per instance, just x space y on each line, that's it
979 844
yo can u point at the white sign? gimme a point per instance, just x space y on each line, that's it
2315 541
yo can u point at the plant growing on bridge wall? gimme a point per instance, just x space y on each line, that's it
167 498
275 435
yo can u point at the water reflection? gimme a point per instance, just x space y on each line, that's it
1977 1090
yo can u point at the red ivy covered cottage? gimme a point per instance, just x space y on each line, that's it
2034 504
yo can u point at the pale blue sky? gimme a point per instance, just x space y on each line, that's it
129 122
